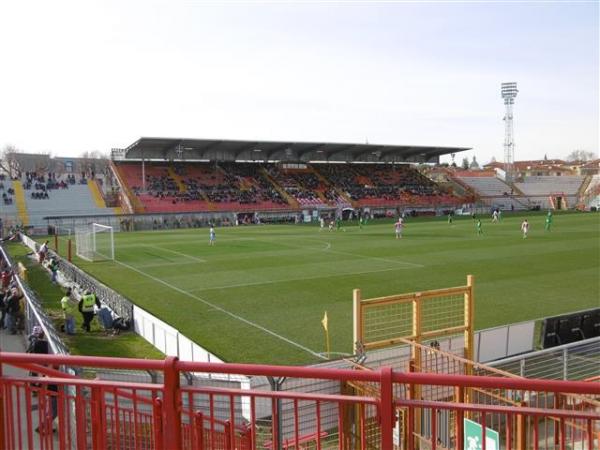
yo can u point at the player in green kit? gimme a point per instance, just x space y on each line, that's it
479 230
548 224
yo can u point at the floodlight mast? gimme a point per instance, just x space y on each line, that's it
509 93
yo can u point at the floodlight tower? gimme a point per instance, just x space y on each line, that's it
509 93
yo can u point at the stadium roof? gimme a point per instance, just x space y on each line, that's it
231 150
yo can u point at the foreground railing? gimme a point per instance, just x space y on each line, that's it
101 414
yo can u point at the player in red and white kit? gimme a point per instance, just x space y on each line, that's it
398 226
525 228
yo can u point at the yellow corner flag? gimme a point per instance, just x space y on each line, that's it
325 323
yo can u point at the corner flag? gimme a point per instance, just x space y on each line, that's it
325 323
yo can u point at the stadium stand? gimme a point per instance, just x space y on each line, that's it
537 186
163 192
303 185
492 190
8 205
57 196
488 186
540 189
201 186
591 194
383 184
251 188
231 186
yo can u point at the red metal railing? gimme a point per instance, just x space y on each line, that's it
102 414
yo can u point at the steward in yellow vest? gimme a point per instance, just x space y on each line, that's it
86 308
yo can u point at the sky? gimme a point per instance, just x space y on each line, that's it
78 76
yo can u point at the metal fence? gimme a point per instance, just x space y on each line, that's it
132 415
575 361
34 311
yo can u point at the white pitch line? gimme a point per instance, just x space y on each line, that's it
161 264
176 252
224 311
191 240
406 263
258 283
328 248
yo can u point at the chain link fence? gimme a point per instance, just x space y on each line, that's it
72 274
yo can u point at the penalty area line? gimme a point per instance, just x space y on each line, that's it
376 258
175 253
258 283
224 311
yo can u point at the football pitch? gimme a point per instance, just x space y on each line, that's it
260 293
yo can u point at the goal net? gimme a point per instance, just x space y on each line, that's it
95 242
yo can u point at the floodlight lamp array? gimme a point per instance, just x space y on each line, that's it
509 90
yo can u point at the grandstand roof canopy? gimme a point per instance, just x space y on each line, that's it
231 150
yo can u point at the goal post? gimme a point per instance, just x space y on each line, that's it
95 242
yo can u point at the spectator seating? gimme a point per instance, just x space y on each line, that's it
487 186
539 188
246 188
201 187
493 191
163 192
233 186
302 184
8 207
384 184
55 199
545 185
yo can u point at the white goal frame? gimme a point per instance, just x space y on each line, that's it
88 246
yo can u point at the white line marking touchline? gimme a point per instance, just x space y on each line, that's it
224 311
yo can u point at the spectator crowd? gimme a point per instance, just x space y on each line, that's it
271 185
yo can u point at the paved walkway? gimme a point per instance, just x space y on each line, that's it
17 343
12 343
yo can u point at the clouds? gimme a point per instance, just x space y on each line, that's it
95 75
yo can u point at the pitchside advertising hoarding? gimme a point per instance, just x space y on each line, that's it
473 437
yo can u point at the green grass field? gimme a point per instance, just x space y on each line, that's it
259 294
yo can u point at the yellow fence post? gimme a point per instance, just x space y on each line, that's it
416 330
357 336
469 317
